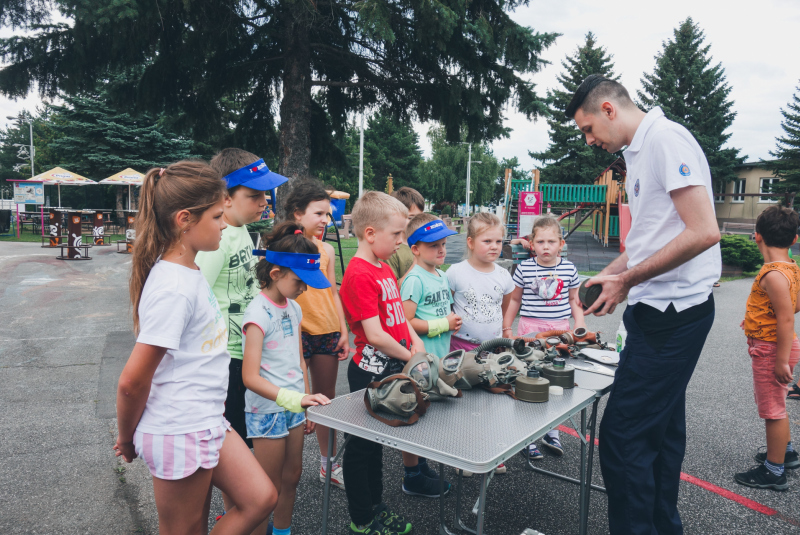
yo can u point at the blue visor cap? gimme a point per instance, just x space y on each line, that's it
305 266
430 232
255 176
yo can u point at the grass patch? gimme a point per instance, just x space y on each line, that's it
589 273
29 237
744 275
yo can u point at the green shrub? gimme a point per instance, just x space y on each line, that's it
447 210
265 225
740 251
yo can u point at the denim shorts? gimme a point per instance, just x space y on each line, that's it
273 424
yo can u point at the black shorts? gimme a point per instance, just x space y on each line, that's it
234 403
320 344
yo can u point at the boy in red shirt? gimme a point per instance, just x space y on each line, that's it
384 342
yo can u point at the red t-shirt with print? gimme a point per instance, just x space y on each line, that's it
368 291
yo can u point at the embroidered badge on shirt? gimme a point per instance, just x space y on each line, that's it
684 170
636 188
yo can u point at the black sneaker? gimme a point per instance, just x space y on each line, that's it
428 471
374 528
790 461
396 523
422 485
759 477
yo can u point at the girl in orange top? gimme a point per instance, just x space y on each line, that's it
323 328
772 344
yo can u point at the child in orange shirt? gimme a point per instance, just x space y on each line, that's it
772 344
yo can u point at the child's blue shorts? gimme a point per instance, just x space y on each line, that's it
272 424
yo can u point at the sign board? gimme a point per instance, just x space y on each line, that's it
28 193
530 207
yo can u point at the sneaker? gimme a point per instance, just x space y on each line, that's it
337 479
759 477
790 461
374 528
391 520
533 452
553 444
428 471
501 469
422 485
467 473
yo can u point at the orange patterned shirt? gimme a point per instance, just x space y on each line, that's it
759 320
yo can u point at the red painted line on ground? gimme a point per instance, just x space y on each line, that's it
725 493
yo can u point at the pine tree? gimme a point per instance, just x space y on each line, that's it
696 95
392 147
571 160
786 164
459 63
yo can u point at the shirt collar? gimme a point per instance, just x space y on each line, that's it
641 132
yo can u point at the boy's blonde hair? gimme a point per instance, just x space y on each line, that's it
545 222
373 209
417 221
482 221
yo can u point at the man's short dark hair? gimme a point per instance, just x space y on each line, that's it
778 226
595 90
410 197
229 160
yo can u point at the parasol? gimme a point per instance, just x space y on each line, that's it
58 176
128 177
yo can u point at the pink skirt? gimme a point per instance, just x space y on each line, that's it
528 326
179 456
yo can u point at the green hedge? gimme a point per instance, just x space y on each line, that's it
740 251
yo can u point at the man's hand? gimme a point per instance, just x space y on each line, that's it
783 373
615 290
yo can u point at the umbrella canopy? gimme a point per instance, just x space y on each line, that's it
128 177
57 176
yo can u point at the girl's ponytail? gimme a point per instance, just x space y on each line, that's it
185 185
287 237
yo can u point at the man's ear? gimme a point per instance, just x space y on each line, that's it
608 110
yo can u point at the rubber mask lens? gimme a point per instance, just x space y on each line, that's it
421 373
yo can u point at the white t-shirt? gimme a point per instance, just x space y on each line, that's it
478 300
545 290
662 157
280 354
178 311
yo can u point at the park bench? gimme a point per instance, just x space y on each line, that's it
347 223
747 229
79 256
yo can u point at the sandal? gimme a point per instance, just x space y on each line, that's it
716 284
794 392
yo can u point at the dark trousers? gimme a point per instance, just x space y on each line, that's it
234 402
362 462
643 431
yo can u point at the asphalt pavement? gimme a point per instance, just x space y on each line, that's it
65 335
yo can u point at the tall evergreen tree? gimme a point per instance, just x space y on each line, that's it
459 63
568 159
786 164
392 147
696 95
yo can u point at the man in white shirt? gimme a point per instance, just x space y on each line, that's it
667 271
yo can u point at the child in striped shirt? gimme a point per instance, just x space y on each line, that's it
546 287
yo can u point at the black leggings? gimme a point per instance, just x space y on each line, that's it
362 463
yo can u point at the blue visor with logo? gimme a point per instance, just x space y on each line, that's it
305 266
255 176
430 232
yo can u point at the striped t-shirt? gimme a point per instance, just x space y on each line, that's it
545 290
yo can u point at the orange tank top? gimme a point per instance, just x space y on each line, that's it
319 309
759 320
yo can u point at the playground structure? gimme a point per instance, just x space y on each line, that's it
599 202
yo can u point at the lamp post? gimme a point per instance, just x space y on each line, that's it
31 149
469 172
361 159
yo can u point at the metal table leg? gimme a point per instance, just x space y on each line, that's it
582 478
482 503
326 493
442 525
586 489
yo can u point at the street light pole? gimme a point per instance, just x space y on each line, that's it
469 176
361 160
31 148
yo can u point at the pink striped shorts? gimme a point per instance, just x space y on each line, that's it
528 326
179 456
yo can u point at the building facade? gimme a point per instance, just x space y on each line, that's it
743 199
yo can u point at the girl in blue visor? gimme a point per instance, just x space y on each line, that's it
274 370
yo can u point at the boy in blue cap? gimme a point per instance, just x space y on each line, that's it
230 269
425 291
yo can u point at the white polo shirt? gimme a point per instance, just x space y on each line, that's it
663 156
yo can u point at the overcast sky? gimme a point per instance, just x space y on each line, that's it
756 42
